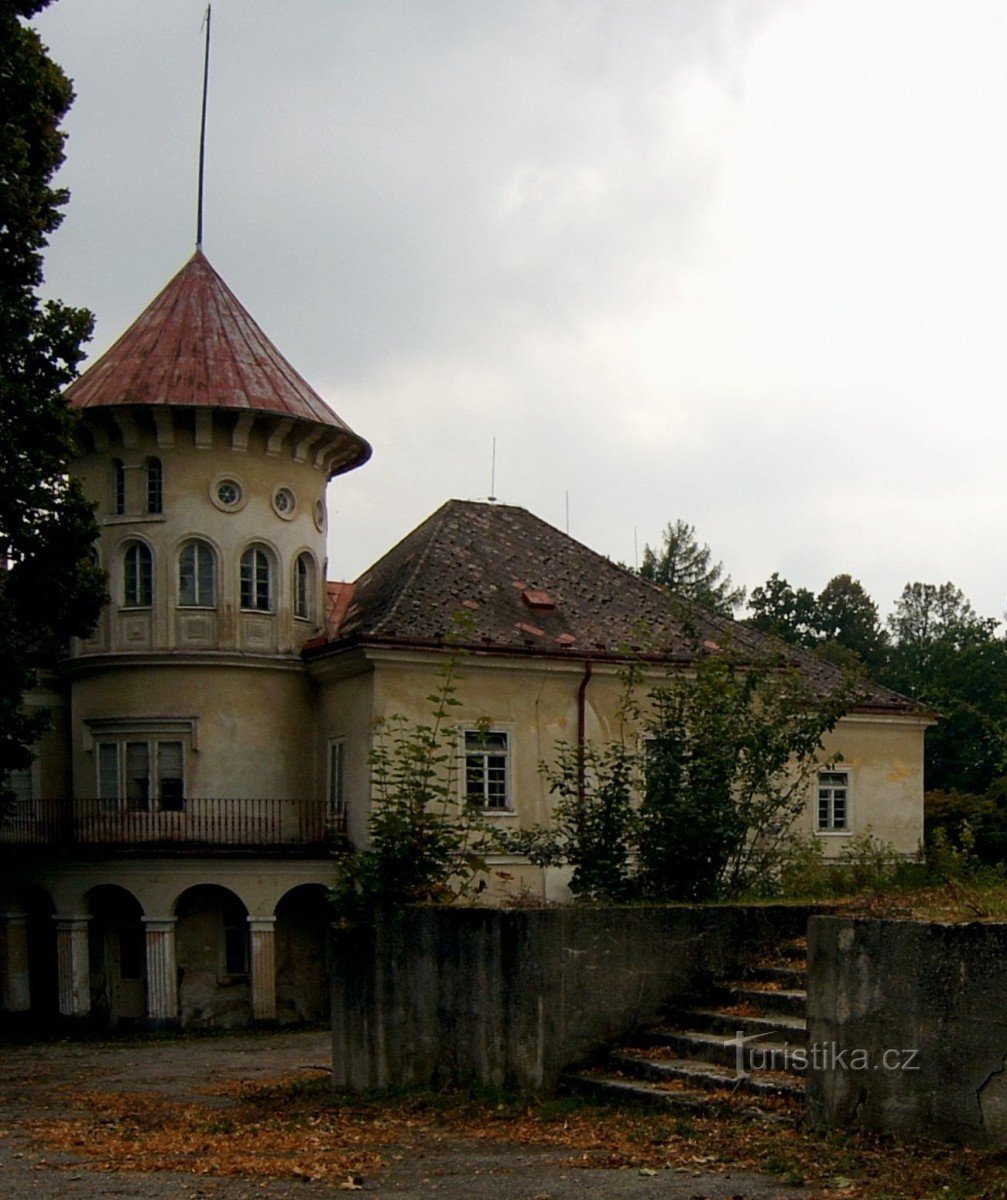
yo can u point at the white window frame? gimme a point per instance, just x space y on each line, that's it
828 782
154 800
253 574
472 752
142 593
304 587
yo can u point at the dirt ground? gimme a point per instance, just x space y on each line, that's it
39 1080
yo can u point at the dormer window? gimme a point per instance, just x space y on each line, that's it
155 486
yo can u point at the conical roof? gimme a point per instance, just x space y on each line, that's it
195 346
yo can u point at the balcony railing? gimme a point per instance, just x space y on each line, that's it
214 823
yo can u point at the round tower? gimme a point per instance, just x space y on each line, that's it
208 457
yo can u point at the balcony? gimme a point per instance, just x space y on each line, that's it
221 825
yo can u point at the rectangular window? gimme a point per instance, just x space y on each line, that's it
486 769
337 781
833 800
143 774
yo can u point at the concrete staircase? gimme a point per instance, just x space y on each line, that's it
748 1036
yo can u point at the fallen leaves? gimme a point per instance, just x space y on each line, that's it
302 1130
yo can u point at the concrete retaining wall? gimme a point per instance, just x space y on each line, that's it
508 998
934 998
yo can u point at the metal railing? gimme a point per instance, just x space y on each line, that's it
215 822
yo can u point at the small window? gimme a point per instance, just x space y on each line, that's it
256 584
833 800
304 587
486 783
155 486
227 494
118 488
197 575
337 781
138 576
284 503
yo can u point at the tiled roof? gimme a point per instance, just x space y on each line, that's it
196 346
495 577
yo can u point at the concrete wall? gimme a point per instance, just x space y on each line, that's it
934 997
511 997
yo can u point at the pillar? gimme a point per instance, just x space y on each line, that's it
263 937
15 996
73 966
162 981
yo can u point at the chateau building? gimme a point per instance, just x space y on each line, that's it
169 856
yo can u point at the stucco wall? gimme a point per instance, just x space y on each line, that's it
511 997
933 998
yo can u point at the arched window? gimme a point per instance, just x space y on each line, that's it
155 486
197 575
304 587
256 580
138 576
118 487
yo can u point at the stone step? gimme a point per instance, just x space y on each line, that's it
723 1049
614 1089
784 977
699 1075
780 1028
767 1001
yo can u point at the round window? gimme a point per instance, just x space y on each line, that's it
228 493
319 516
284 503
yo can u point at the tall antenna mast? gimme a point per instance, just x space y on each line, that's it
493 473
202 134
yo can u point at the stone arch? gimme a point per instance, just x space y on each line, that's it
212 955
302 955
117 955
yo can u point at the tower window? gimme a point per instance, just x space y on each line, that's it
304 587
155 486
197 575
118 488
138 576
256 586
143 773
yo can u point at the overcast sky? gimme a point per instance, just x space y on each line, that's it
740 262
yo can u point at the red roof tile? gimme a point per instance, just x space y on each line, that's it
196 346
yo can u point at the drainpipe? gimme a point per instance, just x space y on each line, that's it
582 730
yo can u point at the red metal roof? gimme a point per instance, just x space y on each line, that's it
196 346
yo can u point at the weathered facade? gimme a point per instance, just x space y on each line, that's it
169 857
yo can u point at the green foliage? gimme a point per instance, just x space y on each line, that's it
697 803
425 845
686 568
49 587
841 623
985 815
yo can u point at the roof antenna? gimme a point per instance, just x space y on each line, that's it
202 134
493 475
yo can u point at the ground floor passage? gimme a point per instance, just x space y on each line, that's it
209 962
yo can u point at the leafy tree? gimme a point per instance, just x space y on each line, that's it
730 751
700 799
784 612
425 846
49 587
686 568
846 616
948 657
